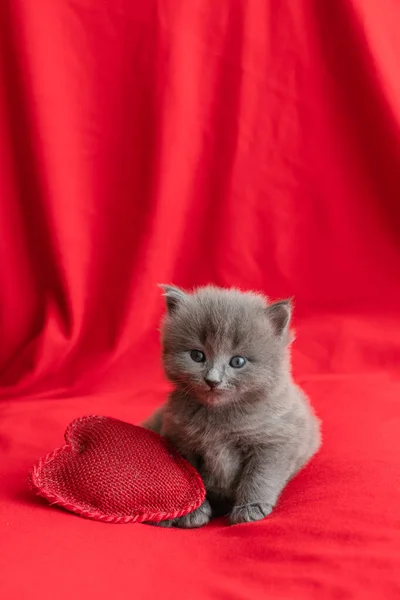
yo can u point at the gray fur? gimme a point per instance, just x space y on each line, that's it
254 431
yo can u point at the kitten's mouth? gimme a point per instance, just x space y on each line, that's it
213 396
214 393
210 396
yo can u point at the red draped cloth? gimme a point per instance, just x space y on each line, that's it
250 143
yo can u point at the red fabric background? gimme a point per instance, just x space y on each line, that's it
246 142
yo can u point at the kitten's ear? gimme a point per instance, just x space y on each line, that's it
173 297
279 314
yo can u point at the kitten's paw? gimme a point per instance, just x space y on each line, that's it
197 518
249 513
168 523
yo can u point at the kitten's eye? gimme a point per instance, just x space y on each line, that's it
197 356
237 362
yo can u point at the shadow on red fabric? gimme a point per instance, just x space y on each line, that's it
254 144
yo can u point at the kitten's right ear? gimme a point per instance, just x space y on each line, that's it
173 297
279 314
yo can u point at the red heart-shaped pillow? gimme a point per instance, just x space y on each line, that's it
112 471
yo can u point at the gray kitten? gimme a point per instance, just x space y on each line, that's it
235 412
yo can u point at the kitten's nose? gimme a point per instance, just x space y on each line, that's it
212 382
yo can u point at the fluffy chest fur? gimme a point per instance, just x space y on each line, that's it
213 450
218 443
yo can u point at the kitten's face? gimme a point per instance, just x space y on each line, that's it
219 344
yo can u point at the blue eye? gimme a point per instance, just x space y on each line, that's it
237 362
197 356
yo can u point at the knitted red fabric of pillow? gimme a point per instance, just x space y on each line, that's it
116 472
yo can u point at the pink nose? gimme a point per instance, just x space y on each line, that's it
212 383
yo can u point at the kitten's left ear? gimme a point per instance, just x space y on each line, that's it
279 314
173 296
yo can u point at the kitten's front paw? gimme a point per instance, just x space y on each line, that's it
249 513
197 518
168 523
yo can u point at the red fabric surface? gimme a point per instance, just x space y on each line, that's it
112 471
252 143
